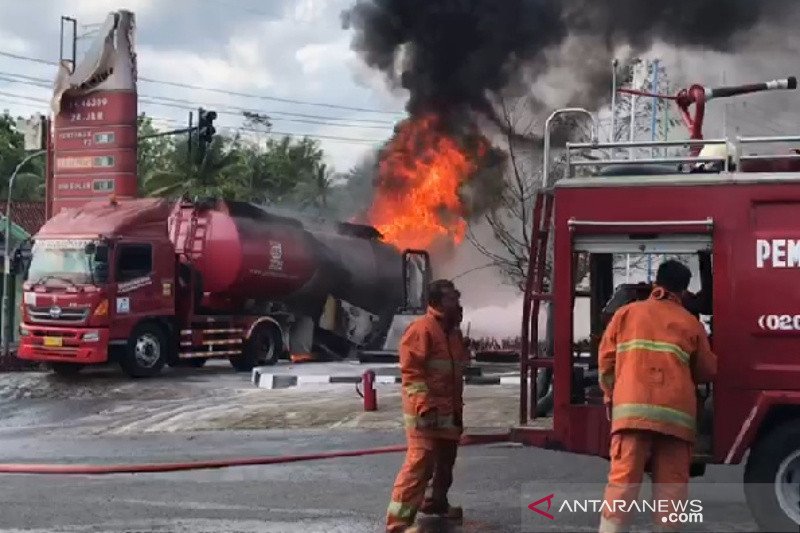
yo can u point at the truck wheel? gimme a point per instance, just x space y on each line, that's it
66 369
262 348
145 355
772 479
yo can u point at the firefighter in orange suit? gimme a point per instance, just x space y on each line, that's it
652 356
432 360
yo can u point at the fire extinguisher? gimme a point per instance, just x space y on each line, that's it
370 395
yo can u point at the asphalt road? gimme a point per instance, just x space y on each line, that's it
350 495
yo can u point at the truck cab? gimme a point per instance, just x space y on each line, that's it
100 284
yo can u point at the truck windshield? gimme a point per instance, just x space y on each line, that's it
68 261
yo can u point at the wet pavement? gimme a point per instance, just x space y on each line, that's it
347 495
103 402
212 413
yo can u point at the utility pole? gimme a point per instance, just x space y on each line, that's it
189 140
654 116
724 112
613 135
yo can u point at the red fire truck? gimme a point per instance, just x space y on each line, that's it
150 282
732 216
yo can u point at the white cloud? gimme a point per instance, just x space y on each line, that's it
14 43
95 11
308 11
236 68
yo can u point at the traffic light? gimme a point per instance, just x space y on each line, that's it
205 126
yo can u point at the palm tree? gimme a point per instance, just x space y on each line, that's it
217 174
316 188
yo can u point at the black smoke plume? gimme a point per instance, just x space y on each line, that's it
456 55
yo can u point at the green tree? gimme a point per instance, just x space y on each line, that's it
278 171
315 190
216 174
29 183
154 154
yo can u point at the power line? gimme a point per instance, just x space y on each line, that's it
25 97
222 91
271 113
238 111
270 132
306 119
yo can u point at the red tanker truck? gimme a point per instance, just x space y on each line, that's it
149 282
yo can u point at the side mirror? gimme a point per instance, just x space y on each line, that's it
90 248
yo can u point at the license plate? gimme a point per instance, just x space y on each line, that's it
53 341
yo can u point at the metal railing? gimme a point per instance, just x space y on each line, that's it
577 157
740 141
571 148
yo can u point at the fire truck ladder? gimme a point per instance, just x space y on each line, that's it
530 359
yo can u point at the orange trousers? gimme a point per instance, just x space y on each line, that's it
668 458
426 460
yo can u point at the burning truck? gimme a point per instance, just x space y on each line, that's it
150 282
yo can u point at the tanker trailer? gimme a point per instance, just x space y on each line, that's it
148 282
329 287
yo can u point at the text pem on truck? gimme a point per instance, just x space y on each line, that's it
732 216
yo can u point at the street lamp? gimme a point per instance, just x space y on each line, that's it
5 317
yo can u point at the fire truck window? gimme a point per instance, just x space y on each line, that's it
134 261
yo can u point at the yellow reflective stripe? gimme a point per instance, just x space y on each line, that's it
607 379
654 346
657 413
444 365
415 422
416 387
402 510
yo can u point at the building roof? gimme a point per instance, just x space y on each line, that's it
30 216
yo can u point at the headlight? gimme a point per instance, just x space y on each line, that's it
23 332
91 336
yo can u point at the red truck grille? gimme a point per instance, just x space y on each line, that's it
58 315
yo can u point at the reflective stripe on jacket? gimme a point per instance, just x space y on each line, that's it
432 367
652 355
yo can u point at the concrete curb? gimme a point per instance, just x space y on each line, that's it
264 378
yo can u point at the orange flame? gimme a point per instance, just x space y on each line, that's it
417 202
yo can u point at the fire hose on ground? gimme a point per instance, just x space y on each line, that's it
88 469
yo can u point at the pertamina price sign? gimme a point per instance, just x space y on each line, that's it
95 148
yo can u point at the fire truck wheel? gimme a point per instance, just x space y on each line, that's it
262 348
772 479
66 369
146 352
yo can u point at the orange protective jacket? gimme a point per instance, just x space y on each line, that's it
652 355
432 367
